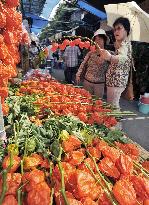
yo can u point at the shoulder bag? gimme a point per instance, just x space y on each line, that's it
128 93
84 70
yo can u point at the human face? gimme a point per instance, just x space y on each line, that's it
119 32
100 41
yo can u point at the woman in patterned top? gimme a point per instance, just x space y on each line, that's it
120 63
94 77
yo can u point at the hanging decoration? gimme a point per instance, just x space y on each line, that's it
82 42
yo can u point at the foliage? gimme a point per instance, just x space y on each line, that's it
141 59
61 20
32 138
116 135
19 105
1 150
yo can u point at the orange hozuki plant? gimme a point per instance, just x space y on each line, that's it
82 42
59 98
10 38
86 172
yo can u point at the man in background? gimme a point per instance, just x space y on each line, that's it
71 60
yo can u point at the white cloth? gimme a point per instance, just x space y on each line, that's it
50 56
114 94
33 50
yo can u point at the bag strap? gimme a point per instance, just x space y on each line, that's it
132 67
85 67
88 58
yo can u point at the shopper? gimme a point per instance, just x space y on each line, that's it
33 52
120 63
71 56
50 58
96 67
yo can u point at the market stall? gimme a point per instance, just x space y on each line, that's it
65 150
62 146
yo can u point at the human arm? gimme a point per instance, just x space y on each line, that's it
79 52
65 55
121 56
81 67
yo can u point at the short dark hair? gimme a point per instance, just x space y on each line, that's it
125 22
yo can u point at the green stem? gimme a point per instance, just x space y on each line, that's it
51 170
62 178
19 194
109 195
114 202
11 159
15 135
62 174
25 149
51 198
11 162
120 114
143 170
4 187
62 183
22 170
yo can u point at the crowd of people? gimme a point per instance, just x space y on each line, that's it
107 70
101 70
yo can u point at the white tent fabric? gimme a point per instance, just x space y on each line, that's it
139 19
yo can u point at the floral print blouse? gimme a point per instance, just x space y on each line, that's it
117 74
96 68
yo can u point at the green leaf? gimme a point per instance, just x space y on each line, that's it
31 145
10 118
116 135
55 148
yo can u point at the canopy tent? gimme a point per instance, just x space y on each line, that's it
85 6
32 6
100 4
32 9
37 22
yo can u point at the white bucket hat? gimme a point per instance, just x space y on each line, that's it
102 32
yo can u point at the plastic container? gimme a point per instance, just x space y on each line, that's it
144 98
144 108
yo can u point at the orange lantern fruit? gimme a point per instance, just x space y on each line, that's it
5 109
12 3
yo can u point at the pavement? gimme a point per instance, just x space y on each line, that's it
136 127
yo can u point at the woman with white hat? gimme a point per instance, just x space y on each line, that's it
95 68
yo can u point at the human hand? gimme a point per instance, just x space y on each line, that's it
104 54
78 80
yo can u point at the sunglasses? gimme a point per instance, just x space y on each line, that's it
117 28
